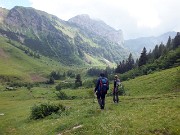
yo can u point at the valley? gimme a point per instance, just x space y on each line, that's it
49 68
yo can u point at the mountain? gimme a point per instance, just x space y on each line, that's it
108 40
16 65
71 42
136 45
97 28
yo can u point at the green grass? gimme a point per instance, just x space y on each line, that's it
161 82
145 111
15 63
18 66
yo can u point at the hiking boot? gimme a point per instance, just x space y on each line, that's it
102 107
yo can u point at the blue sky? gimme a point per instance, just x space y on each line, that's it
11 3
136 18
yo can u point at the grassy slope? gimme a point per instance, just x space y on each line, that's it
145 111
15 63
153 84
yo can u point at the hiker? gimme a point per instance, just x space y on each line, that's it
115 89
101 88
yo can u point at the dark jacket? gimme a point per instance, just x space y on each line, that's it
97 88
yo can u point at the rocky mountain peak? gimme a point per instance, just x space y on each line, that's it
28 18
98 27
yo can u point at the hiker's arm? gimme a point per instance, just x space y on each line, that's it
97 85
108 85
114 84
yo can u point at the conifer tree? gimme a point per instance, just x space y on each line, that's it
176 42
130 62
143 58
169 43
156 52
78 81
161 49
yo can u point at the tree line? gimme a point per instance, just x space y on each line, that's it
163 56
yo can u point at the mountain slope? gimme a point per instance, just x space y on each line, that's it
36 30
16 65
162 82
97 28
58 39
109 40
136 45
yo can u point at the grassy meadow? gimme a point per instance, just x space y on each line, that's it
151 106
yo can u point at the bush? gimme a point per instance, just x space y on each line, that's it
50 81
89 83
58 87
61 95
64 85
121 90
45 109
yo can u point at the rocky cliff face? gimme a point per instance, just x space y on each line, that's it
98 28
28 18
3 14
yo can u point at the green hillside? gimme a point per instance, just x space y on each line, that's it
60 40
16 64
162 82
20 64
150 106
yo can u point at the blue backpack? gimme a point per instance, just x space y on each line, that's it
104 86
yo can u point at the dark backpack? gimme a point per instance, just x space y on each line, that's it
104 86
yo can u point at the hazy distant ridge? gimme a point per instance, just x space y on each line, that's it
136 45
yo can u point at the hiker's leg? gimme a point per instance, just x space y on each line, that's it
117 97
100 102
103 101
99 99
114 98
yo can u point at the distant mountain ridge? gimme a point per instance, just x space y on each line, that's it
97 27
62 40
136 45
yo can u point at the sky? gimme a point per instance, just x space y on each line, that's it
136 18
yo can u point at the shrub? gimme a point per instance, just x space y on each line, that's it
89 83
58 87
61 95
64 85
29 86
50 81
45 109
121 90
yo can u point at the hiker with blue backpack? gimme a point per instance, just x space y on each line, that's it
102 86
115 89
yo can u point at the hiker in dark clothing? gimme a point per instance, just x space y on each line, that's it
115 89
101 88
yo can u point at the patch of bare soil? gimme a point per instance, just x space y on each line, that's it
3 54
76 127
37 78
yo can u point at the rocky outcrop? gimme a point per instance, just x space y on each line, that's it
98 27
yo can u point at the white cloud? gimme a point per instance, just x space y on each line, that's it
135 17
